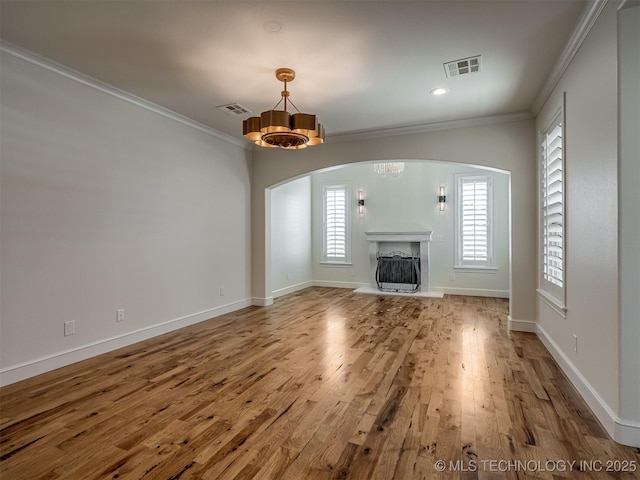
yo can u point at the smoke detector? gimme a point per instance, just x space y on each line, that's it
464 66
233 109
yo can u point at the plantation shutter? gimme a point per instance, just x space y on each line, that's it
474 240
552 204
335 201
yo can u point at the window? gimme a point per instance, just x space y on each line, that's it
552 209
335 215
474 242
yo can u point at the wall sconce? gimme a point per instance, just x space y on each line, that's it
360 202
442 198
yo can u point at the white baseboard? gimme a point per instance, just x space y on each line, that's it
262 301
38 366
352 285
622 431
291 289
627 433
522 325
433 292
474 292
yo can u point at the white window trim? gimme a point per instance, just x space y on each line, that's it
553 302
552 294
459 264
347 258
475 269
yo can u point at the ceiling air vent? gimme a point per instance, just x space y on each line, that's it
233 109
463 66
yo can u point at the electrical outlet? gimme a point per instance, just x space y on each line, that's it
120 315
222 291
575 342
69 328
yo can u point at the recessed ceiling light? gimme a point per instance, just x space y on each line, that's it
439 91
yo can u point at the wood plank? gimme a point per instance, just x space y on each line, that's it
326 383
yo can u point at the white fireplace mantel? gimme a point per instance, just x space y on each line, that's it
399 236
407 241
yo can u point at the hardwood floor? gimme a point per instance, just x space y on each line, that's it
325 384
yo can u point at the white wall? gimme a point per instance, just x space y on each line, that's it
291 236
108 205
409 203
509 146
591 226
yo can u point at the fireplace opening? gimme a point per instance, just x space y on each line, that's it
398 272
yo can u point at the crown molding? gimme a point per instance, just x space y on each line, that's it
66 72
629 4
431 127
583 26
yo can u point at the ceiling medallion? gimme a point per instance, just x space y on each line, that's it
277 128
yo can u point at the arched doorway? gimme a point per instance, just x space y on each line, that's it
406 202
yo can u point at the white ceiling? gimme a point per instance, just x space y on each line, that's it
361 65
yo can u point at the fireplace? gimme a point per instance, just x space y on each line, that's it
398 272
413 246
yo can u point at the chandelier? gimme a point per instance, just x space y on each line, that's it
277 128
389 169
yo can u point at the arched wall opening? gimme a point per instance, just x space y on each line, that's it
509 147
406 202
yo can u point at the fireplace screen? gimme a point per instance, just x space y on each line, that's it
398 272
